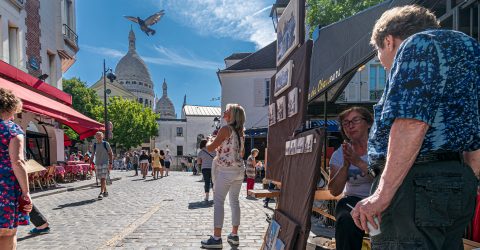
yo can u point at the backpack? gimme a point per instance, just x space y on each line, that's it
95 146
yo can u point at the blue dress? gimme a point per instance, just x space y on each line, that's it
10 190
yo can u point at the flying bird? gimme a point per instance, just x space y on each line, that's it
144 24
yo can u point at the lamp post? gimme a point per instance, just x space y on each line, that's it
110 77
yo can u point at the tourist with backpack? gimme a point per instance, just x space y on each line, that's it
102 156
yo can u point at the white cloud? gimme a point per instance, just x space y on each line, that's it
104 51
166 57
246 20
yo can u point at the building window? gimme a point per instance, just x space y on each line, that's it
179 150
140 100
127 82
377 80
134 82
140 83
13 46
53 68
179 131
267 92
69 13
150 103
121 82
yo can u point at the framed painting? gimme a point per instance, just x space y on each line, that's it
288 31
283 79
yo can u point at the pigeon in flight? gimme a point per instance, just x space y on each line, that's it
151 20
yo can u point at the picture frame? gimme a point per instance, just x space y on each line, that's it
272 234
308 144
293 147
272 114
283 78
288 30
279 245
292 102
300 145
281 109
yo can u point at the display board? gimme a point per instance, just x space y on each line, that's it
288 107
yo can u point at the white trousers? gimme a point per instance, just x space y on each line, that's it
227 181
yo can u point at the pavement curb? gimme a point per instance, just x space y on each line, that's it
69 189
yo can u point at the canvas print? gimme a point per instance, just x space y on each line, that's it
283 78
272 234
308 144
300 145
281 109
279 245
287 31
292 102
287 147
271 114
293 147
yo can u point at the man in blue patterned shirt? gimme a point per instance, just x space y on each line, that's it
426 134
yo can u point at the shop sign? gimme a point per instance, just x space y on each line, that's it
32 61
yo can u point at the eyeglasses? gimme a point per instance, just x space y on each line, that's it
354 121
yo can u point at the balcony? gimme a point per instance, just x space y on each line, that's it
70 37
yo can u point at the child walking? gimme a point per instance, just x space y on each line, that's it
251 169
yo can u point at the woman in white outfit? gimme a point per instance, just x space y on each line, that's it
228 173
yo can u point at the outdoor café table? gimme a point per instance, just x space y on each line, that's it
73 170
60 171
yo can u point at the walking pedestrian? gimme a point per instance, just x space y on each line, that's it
16 202
162 163
128 161
205 159
228 173
103 158
156 165
168 161
39 221
251 169
144 163
426 119
136 162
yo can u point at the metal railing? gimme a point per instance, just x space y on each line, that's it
70 35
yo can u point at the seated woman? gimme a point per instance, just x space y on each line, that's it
349 175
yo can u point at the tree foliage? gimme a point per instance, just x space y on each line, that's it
132 123
325 12
84 99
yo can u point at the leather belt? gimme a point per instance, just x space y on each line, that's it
376 168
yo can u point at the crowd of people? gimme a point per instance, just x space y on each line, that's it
411 169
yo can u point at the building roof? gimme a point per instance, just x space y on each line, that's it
191 110
238 56
261 59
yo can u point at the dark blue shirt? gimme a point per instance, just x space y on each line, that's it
435 78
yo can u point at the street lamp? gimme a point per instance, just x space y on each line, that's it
112 78
277 9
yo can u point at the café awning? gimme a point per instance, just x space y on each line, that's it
40 104
343 47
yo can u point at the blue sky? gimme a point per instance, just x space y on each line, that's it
191 42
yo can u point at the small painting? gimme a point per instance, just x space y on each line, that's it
308 144
292 102
281 109
271 114
300 145
283 78
272 234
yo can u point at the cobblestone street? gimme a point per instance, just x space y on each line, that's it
140 214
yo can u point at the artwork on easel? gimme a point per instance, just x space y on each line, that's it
308 144
281 109
272 114
300 145
271 236
287 147
292 102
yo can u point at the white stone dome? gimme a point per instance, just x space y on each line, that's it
165 106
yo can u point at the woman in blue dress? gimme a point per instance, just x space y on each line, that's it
13 174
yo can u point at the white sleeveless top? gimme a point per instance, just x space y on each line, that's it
228 153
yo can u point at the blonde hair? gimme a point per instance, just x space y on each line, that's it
156 150
9 102
237 115
402 22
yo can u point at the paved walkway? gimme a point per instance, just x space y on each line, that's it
140 214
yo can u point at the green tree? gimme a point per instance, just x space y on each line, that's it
132 123
84 99
325 12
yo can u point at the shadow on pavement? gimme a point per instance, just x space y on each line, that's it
75 204
28 236
200 204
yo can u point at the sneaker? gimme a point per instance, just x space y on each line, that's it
40 231
105 194
233 239
212 243
100 196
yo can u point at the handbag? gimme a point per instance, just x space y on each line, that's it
24 204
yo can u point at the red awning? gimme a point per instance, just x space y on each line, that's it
40 104
66 140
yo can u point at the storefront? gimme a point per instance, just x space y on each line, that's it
45 109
